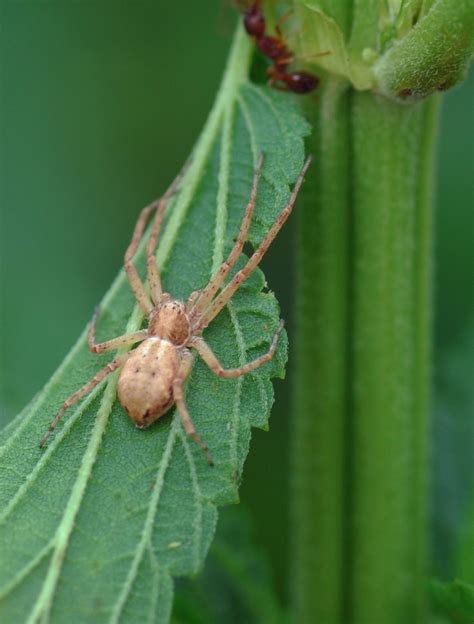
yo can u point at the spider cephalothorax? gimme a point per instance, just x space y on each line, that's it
153 374
170 320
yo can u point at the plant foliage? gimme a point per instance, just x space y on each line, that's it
94 527
454 600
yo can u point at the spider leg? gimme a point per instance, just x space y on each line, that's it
127 340
136 284
90 385
181 406
216 367
207 294
154 279
239 278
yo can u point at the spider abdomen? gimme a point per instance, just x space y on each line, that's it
145 386
153 374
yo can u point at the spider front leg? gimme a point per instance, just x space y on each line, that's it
127 340
203 299
216 367
178 394
239 278
136 284
86 388
154 280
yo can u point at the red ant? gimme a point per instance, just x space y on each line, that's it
276 50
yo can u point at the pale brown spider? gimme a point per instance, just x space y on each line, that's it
154 373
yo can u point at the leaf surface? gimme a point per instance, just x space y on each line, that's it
94 527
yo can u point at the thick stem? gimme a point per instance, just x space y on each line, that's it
423 330
363 326
386 430
319 505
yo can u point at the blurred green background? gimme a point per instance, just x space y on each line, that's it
100 104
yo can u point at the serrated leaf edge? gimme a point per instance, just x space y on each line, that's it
224 101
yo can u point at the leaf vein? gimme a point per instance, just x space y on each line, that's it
222 191
238 394
198 498
42 462
154 586
145 540
24 572
65 527
249 125
260 93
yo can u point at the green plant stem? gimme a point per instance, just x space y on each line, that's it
423 327
320 376
385 510
362 344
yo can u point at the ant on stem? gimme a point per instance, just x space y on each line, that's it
276 50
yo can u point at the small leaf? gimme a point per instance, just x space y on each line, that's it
454 600
322 41
94 527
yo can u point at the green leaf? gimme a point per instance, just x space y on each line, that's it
454 600
94 527
321 40
236 583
